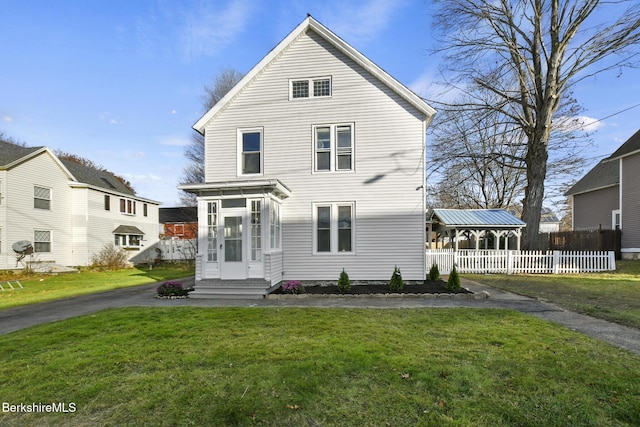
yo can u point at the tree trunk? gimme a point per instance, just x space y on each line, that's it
536 161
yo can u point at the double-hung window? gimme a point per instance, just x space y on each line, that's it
128 206
42 241
316 87
334 230
333 147
250 146
41 197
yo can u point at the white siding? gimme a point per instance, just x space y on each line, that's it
22 218
389 162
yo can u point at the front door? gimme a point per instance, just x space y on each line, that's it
234 263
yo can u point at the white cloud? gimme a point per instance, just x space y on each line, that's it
430 87
362 22
175 141
579 123
7 119
174 111
208 28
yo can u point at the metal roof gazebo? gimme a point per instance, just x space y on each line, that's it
488 225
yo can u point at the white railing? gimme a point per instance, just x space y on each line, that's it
510 262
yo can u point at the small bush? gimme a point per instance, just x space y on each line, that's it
171 289
396 283
344 284
293 287
110 258
453 284
434 273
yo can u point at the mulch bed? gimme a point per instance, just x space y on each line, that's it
428 287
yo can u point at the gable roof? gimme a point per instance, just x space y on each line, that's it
12 153
604 174
96 177
480 218
178 215
630 146
310 24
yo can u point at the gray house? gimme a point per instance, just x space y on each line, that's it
608 196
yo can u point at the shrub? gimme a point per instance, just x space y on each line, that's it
293 287
171 289
344 284
434 273
396 284
110 258
453 284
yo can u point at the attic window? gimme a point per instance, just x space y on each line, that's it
319 87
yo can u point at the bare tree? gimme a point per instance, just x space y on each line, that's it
530 53
193 172
478 156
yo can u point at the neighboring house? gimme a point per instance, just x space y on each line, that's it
180 222
67 210
608 196
314 163
549 222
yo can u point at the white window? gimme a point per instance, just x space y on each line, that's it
250 151
41 197
333 147
42 241
615 219
212 231
274 225
128 206
128 240
256 230
334 230
317 87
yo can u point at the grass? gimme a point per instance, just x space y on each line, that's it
40 288
613 296
316 367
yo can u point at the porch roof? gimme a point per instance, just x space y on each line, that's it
247 187
473 219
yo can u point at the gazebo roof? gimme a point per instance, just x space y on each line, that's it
474 218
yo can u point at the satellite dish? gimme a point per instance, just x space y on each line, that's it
23 247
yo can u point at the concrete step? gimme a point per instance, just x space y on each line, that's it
231 289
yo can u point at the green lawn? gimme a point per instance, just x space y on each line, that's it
316 367
613 296
40 288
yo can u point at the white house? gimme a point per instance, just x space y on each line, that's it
314 163
68 211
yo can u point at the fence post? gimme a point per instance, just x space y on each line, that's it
556 262
612 260
509 262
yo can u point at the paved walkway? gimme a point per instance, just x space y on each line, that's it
143 296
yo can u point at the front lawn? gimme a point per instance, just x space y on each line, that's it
40 288
613 296
316 367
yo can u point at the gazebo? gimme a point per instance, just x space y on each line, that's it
491 226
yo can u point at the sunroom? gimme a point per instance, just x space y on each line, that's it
240 229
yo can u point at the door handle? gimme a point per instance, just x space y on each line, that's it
220 245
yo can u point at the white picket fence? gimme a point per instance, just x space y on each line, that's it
510 262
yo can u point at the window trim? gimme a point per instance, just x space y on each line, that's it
333 147
310 87
213 213
35 242
240 152
127 206
49 200
127 241
334 228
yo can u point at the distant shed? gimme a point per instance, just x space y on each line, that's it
492 227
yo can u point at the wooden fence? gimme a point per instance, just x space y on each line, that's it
510 262
583 240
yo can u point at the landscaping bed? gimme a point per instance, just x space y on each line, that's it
428 287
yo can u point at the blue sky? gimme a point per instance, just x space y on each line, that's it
121 82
